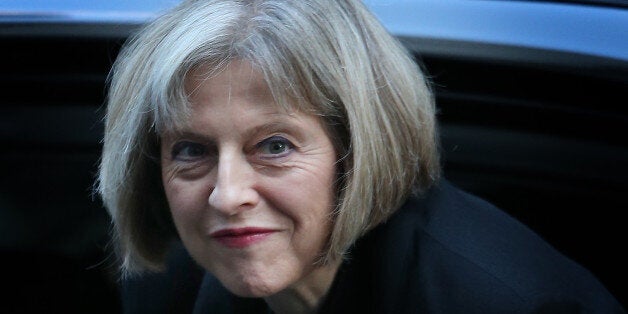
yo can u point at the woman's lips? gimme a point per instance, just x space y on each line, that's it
241 237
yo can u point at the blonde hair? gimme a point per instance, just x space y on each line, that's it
333 57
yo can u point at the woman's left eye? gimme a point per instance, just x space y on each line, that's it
275 146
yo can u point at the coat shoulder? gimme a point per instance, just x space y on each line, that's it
462 252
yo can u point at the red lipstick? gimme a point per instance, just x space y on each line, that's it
241 237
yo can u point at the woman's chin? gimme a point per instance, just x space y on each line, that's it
252 289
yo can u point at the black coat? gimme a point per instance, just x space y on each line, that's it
448 252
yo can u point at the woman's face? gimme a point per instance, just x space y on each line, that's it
250 187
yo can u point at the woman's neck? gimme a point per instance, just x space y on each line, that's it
305 295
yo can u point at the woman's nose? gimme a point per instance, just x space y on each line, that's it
233 191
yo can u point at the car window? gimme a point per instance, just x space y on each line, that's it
82 11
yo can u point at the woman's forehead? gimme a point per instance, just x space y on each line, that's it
241 78
236 78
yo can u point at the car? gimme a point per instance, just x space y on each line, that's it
531 99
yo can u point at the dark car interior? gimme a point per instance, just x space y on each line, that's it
541 134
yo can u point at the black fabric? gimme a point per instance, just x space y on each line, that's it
454 253
173 291
448 252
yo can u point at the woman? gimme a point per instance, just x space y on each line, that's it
291 147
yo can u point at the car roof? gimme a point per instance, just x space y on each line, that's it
577 28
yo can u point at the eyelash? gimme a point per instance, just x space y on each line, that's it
288 147
180 147
201 150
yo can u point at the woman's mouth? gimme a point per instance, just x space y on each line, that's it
241 237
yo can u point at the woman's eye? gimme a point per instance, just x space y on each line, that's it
275 146
188 151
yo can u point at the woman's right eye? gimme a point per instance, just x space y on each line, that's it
188 151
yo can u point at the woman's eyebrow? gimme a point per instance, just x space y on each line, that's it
191 135
285 125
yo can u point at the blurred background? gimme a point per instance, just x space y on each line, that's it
532 101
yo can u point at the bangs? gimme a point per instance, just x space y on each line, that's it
291 88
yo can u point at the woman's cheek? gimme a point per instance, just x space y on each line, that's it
186 197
